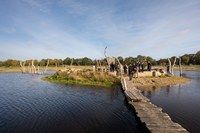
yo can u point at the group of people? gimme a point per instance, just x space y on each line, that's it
134 68
131 69
115 67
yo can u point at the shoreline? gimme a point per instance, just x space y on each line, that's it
100 79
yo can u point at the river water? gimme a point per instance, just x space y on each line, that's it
181 102
30 105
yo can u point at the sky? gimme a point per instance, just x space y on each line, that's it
37 29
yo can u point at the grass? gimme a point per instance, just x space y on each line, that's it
176 67
42 68
84 78
10 69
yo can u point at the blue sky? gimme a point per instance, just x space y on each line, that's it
36 29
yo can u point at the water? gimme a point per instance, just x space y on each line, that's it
30 105
181 102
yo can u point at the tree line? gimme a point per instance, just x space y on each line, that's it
187 59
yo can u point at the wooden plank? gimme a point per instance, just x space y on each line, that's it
156 120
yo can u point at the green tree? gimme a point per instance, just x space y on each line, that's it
185 59
67 61
11 62
43 62
162 62
58 61
197 58
86 61
141 58
153 61
121 60
130 60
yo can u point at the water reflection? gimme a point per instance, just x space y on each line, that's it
28 104
180 101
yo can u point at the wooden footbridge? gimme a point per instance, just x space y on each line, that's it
155 120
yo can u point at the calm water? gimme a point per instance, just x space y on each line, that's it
28 104
181 102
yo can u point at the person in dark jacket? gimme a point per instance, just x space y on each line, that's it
112 67
125 69
142 66
149 66
130 71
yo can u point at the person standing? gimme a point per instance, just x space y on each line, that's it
117 69
130 71
125 69
139 65
142 66
112 67
136 70
149 65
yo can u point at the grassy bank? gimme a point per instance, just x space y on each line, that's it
149 83
10 69
176 67
84 78
42 68
18 69
189 68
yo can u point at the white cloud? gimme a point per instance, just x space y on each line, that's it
157 29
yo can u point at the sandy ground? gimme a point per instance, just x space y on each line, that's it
158 82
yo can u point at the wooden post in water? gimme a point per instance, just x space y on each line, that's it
46 66
38 69
33 69
180 67
56 66
22 64
29 68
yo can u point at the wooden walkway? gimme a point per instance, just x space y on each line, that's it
153 117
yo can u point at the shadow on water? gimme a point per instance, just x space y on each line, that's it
30 105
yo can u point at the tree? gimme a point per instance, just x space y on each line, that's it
197 58
86 61
130 60
141 58
162 62
121 60
1 63
11 62
67 61
172 62
153 61
43 62
185 59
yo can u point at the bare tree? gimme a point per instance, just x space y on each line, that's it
120 67
171 67
33 69
72 62
22 64
109 59
46 66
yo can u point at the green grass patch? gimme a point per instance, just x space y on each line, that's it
84 78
